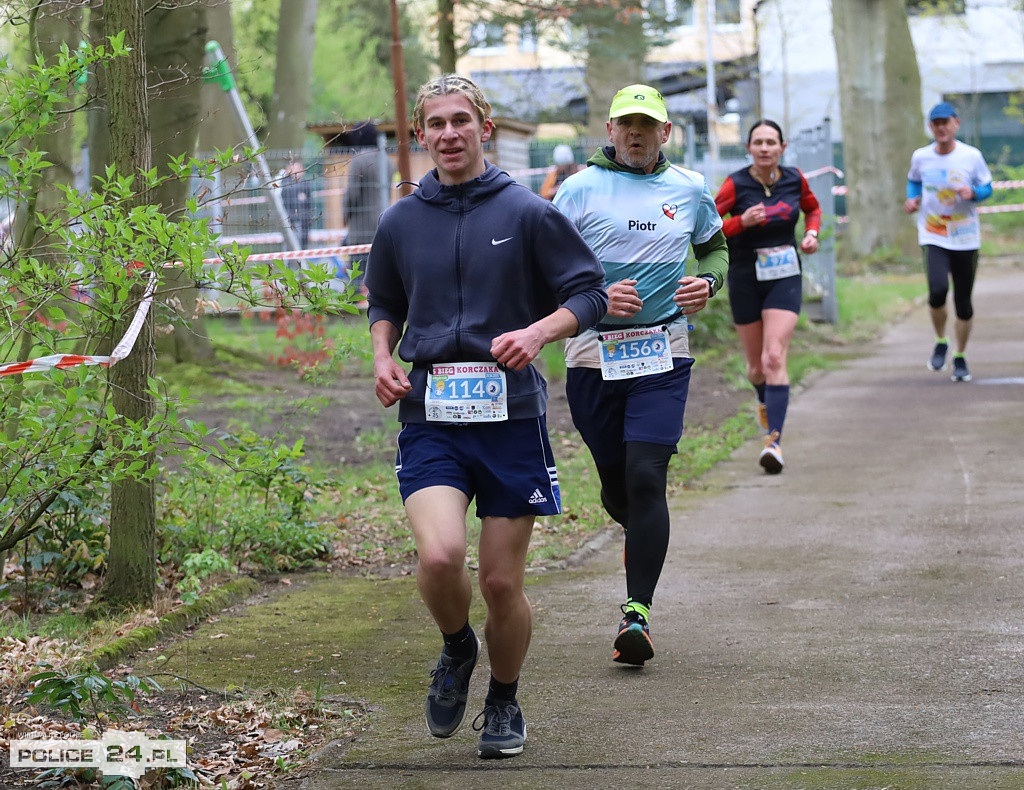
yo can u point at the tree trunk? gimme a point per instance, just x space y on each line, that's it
293 77
616 51
446 48
880 98
175 48
98 131
131 569
55 24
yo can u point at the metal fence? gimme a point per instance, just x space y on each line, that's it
811 150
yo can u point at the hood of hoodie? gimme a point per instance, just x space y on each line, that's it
464 196
605 157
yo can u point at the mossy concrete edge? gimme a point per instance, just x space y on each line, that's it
146 636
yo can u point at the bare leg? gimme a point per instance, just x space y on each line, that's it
438 518
778 330
962 329
503 546
751 338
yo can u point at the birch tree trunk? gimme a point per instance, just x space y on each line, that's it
880 98
131 568
296 35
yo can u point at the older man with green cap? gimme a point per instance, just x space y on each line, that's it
628 376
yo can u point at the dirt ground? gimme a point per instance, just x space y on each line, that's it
343 422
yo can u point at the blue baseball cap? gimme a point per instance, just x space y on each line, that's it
942 110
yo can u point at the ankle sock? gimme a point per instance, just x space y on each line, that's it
644 610
504 692
461 644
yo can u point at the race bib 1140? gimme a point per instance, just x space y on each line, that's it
466 392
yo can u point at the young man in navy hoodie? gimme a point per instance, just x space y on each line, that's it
468 278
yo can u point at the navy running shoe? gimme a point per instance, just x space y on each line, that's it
449 690
960 371
938 360
502 730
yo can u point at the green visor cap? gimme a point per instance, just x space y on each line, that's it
639 99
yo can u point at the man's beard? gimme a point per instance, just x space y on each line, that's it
639 160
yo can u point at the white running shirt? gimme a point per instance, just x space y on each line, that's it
944 219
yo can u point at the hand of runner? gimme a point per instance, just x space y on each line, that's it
755 215
692 294
623 299
515 350
392 384
809 244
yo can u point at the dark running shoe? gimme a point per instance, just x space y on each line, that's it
960 371
449 689
502 730
938 360
633 643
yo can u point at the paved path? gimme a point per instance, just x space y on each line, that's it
855 622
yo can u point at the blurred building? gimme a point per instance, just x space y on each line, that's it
969 52
539 74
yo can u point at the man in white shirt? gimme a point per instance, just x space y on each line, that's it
946 181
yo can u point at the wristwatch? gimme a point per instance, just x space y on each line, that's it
811 233
711 281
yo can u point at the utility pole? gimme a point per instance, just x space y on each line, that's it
401 119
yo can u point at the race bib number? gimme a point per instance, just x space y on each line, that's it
466 392
962 230
634 352
774 263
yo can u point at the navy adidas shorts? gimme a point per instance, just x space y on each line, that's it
748 296
645 409
507 466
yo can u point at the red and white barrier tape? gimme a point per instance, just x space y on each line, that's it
842 190
292 255
1006 209
1001 209
823 170
121 350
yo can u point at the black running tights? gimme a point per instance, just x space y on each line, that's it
633 493
958 265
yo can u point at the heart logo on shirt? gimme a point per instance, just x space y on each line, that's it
669 211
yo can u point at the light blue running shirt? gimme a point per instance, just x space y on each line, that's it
641 228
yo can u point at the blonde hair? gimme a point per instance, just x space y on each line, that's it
447 84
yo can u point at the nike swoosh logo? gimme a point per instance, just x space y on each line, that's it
496 242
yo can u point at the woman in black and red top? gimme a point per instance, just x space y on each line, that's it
764 202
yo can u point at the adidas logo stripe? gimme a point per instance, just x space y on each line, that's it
537 498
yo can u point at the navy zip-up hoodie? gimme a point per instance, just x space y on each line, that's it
456 266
